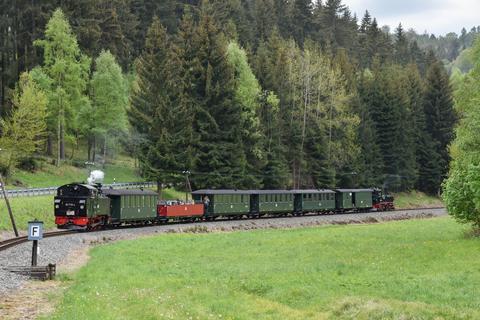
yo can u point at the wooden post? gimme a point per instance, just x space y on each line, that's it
8 206
34 253
187 185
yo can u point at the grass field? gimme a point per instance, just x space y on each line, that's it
51 175
420 269
28 208
415 199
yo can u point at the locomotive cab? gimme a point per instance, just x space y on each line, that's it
381 201
80 206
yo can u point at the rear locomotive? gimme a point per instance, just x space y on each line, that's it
81 206
381 201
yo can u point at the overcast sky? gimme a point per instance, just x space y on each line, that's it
434 16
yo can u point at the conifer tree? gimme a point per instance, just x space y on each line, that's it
149 106
275 173
439 113
220 162
370 167
401 46
302 20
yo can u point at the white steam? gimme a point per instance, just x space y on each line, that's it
96 176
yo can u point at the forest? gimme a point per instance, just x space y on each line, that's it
234 94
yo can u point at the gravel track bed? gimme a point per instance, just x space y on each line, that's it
55 250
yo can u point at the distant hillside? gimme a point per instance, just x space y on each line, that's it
452 49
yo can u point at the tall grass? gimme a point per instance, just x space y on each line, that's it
423 269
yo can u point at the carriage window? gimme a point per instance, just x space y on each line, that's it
304 196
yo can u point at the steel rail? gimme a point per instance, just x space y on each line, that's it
5 244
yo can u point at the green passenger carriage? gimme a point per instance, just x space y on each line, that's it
272 202
223 202
314 201
354 199
132 205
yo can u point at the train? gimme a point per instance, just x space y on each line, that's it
83 206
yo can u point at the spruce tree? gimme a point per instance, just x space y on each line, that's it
275 173
439 113
220 162
302 20
149 112
370 167
402 55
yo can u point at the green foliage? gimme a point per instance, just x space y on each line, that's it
247 95
150 112
63 76
462 188
197 105
335 272
109 95
439 113
23 132
106 115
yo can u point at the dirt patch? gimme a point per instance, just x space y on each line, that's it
75 260
32 300
39 298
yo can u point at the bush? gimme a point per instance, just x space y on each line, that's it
29 164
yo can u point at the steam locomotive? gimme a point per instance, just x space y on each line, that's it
89 206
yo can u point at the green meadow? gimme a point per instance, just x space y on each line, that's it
416 269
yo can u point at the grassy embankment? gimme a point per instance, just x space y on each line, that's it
415 199
49 175
418 269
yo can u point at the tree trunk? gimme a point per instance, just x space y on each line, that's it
104 150
62 142
159 190
49 145
58 142
75 147
89 149
94 152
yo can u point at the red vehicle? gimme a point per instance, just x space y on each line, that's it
178 210
382 202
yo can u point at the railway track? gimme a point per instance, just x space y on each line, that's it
19 240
